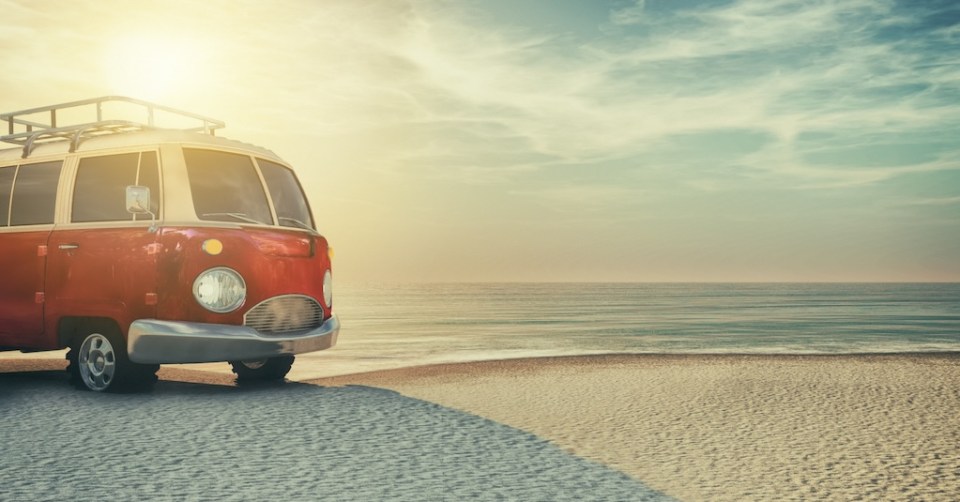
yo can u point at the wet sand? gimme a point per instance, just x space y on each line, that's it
693 427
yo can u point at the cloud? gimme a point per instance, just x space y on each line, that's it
628 15
938 201
783 67
584 200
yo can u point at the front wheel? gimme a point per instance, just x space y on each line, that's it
99 362
274 368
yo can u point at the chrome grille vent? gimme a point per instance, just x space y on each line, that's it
282 315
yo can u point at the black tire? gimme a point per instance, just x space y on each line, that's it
266 370
98 361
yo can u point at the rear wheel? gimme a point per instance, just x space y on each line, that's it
274 368
98 362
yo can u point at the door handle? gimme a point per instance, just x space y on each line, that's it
68 246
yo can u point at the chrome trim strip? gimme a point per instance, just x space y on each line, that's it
150 341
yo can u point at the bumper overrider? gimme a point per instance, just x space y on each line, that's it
150 341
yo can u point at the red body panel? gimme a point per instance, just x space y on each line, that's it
21 278
271 262
104 272
127 274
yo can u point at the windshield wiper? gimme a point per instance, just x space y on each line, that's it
239 216
295 222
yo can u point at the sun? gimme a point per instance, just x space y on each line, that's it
151 68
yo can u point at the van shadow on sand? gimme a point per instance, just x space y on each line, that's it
291 441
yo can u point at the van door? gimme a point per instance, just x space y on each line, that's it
102 263
28 196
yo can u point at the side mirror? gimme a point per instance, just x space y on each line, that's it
138 202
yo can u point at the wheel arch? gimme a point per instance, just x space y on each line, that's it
70 328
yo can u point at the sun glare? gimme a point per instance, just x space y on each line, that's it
149 68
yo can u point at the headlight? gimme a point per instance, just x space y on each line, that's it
328 289
220 290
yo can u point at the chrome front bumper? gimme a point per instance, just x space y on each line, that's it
150 341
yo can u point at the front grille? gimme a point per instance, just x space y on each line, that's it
283 315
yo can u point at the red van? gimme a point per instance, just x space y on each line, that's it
134 246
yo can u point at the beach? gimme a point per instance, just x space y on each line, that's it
628 427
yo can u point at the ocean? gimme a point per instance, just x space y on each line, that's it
386 324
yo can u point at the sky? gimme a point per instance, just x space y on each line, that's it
559 140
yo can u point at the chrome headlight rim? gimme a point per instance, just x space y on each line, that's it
328 289
227 307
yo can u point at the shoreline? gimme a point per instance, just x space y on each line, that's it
629 357
49 360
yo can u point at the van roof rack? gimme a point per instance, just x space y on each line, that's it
27 132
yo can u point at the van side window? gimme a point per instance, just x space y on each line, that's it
35 193
99 192
6 186
288 200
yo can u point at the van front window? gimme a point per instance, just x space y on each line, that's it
288 199
226 187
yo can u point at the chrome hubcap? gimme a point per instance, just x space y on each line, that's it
97 362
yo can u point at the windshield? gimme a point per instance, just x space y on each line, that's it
226 187
287 196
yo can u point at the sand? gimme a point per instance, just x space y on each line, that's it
691 427
293 441
727 427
